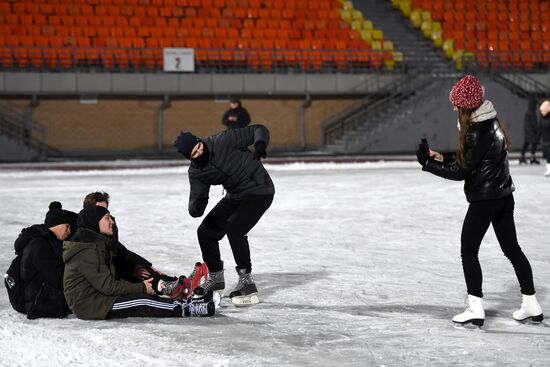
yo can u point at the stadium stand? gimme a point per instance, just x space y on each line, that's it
498 35
251 35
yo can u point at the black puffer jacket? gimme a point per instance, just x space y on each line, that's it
231 165
485 171
42 272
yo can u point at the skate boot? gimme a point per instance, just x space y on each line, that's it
522 160
203 306
530 309
245 292
534 161
195 276
177 289
547 173
215 282
473 314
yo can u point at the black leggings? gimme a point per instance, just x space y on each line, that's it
234 218
501 214
143 305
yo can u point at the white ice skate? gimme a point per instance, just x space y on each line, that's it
245 292
547 173
530 309
473 314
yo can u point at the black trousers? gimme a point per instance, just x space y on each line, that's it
478 218
234 218
143 305
526 146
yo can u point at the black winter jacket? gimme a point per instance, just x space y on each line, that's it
231 165
42 272
242 115
485 170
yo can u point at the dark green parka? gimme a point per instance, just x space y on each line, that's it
90 283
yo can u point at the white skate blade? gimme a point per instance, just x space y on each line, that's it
251 299
217 299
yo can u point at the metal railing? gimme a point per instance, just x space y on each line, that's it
206 59
31 134
349 119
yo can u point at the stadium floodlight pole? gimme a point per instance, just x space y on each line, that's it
166 103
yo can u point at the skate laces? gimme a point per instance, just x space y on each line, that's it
198 308
244 280
194 272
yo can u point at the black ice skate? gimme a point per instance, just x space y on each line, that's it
245 292
215 282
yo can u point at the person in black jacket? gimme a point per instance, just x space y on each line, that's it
222 159
544 122
481 160
236 116
42 264
531 132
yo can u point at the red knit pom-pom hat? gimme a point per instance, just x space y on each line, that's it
467 93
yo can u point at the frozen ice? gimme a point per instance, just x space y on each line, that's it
356 264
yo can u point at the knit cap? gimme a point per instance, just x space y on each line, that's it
185 144
90 217
56 215
467 93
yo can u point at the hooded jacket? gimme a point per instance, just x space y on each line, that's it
231 165
42 272
90 281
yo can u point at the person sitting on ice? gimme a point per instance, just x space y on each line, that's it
134 268
41 272
94 292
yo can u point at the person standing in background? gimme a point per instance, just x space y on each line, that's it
544 121
236 116
531 131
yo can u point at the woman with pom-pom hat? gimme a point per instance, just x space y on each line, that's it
481 160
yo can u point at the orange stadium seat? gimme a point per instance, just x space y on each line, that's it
258 32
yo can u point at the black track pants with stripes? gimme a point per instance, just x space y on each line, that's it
143 305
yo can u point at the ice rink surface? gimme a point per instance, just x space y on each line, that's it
356 265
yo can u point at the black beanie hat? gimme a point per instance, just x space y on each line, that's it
56 215
90 217
185 144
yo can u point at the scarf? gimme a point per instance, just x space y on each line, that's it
484 112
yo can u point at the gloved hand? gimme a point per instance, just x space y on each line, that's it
423 152
259 150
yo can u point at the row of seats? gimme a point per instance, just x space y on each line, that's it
79 7
507 34
268 34
151 59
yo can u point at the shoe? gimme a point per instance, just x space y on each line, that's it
522 160
245 292
202 307
215 282
474 313
547 173
534 161
530 309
